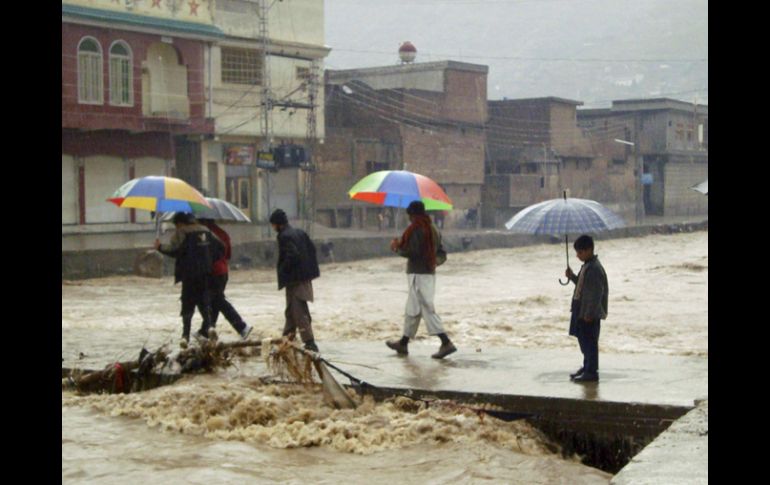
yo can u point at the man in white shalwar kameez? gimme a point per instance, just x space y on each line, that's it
420 244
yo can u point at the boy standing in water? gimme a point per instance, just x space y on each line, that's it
589 307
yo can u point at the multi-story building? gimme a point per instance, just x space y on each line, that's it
427 118
285 42
536 151
171 87
133 100
668 139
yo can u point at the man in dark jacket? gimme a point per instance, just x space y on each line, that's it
297 267
218 283
589 307
195 248
420 244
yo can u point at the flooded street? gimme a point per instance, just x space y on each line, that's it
233 428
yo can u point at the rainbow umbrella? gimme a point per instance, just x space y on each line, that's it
159 194
398 188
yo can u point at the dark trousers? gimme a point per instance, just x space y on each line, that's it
220 304
588 339
195 293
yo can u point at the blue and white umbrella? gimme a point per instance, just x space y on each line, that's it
220 210
564 216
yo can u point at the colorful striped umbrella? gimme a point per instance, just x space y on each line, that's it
398 188
159 194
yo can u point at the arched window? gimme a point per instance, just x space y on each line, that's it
164 83
90 76
121 75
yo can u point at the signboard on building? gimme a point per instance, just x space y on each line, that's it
239 155
265 160
646 179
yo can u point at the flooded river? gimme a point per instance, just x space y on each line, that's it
234 428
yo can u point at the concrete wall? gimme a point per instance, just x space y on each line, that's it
295 21
92 263
445 155
418 77
679 198
566 137
466 96
678 455
235 107
69 190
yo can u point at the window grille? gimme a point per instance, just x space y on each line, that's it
241 66
121 92
90 72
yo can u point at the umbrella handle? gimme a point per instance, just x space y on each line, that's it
566 247
157 224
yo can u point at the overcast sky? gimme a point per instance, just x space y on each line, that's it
588 50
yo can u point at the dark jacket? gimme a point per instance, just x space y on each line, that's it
417 264
591 303
296 257
186 266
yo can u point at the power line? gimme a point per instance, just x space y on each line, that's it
516 58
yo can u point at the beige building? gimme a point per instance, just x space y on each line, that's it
235 100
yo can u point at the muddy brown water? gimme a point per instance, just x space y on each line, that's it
231 428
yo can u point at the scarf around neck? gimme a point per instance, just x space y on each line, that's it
428 249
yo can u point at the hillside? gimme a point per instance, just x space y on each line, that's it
588 50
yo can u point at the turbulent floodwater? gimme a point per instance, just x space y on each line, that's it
232 428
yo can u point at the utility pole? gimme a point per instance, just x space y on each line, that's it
267 111
638 162
308 195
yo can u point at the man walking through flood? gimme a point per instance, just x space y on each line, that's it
589 307
218 283
195 249
420 244
297 267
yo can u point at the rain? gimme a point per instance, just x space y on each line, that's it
261 197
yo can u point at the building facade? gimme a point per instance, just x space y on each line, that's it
265 91
427 118
670 144
133 100
171 87
536 151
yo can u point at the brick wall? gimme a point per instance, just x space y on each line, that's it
679 199
105 116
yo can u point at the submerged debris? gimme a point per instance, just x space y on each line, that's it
284 357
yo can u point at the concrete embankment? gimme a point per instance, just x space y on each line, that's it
679 456
99 262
